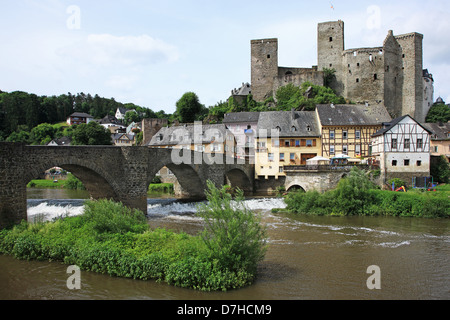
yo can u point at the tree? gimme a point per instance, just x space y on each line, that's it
43 132
439 112
233 234
289 97
440 170
189 108
91 134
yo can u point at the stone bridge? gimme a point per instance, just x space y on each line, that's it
122 174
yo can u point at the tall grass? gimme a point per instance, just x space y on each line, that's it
112 239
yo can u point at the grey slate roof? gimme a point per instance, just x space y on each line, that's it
81 115
304 122
439 131
352 115
237 117
244 90
183 135
393 123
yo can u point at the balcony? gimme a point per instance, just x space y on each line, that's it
327 168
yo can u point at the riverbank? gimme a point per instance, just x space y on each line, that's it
356 195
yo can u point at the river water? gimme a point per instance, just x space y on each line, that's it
309 258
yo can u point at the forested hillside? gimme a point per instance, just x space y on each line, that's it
22 111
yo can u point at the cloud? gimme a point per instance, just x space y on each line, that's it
106 50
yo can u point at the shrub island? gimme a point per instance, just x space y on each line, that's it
112 239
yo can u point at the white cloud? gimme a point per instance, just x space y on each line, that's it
106 50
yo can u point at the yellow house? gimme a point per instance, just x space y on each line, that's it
285 138
348 129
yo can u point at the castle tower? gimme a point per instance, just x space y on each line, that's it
412 58
330 46
393 76
264 67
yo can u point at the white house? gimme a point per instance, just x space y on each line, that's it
121 112
403 149
244 127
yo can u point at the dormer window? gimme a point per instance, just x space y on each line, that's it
278 129
293 129
308 128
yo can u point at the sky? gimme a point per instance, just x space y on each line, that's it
152 52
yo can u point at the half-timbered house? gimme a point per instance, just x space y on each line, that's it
348 129
403 149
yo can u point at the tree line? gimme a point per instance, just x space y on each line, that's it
21 111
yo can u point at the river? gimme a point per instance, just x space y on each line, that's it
309 258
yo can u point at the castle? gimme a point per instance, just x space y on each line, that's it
391 75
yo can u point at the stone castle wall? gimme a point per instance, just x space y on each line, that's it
391 74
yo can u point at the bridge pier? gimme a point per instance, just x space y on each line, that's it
13 192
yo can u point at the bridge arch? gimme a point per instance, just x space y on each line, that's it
98 183
188 177
237 178
295 187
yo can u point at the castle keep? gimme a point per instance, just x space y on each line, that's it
391 75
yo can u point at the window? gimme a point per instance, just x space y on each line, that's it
375 76
293 129
276 143
419 143
406 144
344 135
345 149
394 143
332 134
394 163
331 39
332 148
287 143
308 128
281 157
419 163
436 149
271 159
358 134
268 56
406 162
358 149
357 80
292 156
309 143
281 170
216 148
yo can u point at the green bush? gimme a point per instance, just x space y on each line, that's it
112 239
233 234
356 195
